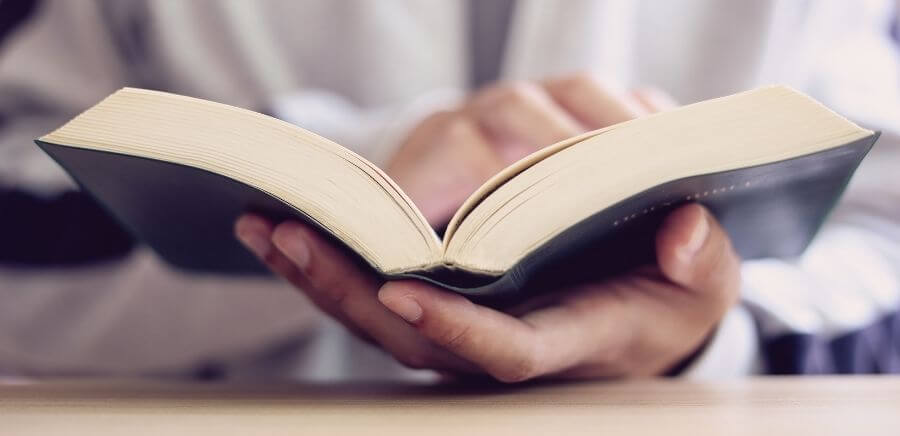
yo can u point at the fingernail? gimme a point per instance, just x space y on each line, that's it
294 246
696 241
405 307
254 243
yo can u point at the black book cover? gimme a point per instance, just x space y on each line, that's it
187 215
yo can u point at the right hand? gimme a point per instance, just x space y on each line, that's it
644 322
451 153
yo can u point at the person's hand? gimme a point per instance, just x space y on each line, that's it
450 154
638 324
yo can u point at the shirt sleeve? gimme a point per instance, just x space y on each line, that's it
374 133
53 66
835 308
126 314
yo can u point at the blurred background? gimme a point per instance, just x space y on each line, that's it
79 296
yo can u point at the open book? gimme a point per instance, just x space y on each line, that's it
769 163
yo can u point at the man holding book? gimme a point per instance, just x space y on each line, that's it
407 110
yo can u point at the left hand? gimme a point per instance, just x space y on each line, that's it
448 155
637 324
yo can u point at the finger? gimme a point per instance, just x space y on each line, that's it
591 325
255 233
341 287
446 135
594 102
447 171
522 114
694 251
653 99
327 269
503 346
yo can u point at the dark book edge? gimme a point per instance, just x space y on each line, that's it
221 194
799 191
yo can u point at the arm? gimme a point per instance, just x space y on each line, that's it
49 70
643 323
374 133
638 324
67 308
834 310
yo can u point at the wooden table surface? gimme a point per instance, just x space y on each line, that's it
762 406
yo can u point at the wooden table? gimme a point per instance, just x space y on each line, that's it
766 406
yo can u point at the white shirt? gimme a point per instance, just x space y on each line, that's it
363 73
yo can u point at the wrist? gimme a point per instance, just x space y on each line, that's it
731 351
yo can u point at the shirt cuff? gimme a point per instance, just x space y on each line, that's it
403 120
733 350
375 133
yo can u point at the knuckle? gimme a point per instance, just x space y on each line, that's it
732 283
330 288
522 369
338 297
525 365
582 78
456 338
516 93
583 82
454 335
727 256
329 283
577 81
458 127
272 258
415 360
614 354
722 275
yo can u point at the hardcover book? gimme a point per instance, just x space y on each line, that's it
177 171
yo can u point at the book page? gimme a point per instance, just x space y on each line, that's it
508 173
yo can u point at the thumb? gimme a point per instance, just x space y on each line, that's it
694 251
